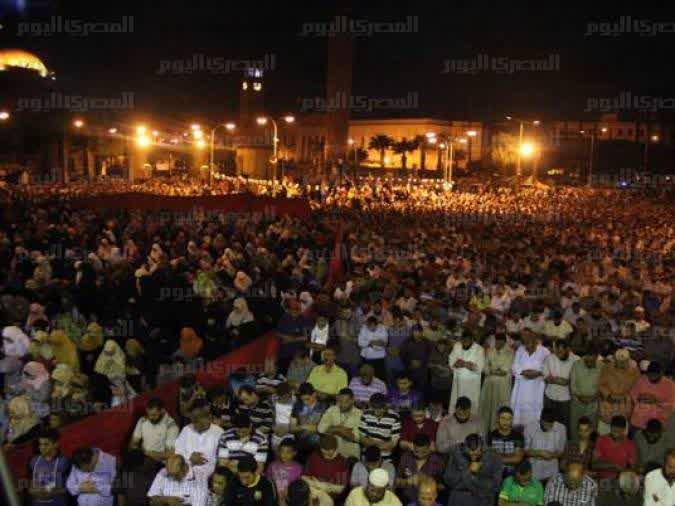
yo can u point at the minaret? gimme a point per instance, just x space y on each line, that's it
251 98
338 87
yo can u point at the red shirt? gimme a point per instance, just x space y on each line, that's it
409 429
621 453
333 471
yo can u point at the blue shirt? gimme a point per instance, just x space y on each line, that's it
49 474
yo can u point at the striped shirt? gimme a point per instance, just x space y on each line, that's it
231 447
363 393
261 415
191 489
263 382
584 495
386 428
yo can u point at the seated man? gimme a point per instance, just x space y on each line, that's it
507 441
417 423
328 378
198 441
380 426
651 447
342 421
250 488
572 488
614 453
372 459
260 411
375 493
326 469
305 418
155 433
545 442
240 441
454 428
177 484
421 461
365 385
91 477
522 489
473 473
49 471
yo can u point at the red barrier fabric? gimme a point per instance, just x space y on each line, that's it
111 429
237 203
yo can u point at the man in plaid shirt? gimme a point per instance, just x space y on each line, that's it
573 488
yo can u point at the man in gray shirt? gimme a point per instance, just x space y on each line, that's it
453 429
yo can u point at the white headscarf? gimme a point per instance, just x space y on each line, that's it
14 342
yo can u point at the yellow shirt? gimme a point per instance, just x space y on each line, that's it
326 382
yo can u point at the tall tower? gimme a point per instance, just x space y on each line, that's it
251 98
338 85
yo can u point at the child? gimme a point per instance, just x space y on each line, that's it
284 470
283 406
403 397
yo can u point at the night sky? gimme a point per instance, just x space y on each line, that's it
385 65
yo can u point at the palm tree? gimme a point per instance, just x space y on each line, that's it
421 142
403 147
381 143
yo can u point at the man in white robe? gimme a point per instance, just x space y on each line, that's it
466 360
527 397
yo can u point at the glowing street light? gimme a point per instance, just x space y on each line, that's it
198 134
201 144
195 126
462 140
261 121
78 123
432 140
143 141
472 133
603 130
112 131
430 135
230 126
4 115
289 119
655 138
155 133
527 149
140 130
522 122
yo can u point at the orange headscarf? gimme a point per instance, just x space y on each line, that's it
190 343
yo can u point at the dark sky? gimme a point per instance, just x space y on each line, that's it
385 65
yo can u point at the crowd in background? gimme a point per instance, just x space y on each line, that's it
499 346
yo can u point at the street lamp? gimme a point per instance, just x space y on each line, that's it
229 126
4 115
112 131
527 149
262 120
140 130
78 123
522 122
591 158
142 141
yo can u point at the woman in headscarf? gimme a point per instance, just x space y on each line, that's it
242 282
36 386
40 350
111 363
135 363
65 351
36 312
90 347
240 314
14 347
62 382
24 424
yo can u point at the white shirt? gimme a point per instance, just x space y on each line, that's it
192 489
366 336
158 437
558 331
190 441
657 485
553 441
553 366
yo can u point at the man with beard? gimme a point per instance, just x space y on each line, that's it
651 447
473 473
660 483
177 484
653 396
365 385
527 396
573 488
415 464
342 421
454 428
466 360
375 493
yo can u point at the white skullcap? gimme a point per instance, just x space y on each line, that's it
379 478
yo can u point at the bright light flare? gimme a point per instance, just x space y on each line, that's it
289 119
78 123
527 149
201 144
4 115
112 131
143 141
230 126
261 121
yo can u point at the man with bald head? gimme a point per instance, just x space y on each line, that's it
177 484
427 493
572 488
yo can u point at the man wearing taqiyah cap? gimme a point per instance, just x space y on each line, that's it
375 493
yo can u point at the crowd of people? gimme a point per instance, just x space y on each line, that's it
501 346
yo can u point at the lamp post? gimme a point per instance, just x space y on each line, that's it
520 138
448 145
591 157
470 135
229 126
275 141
